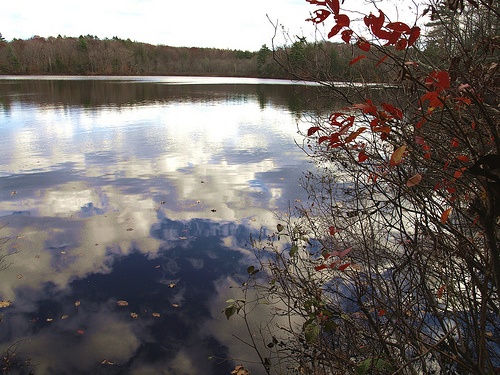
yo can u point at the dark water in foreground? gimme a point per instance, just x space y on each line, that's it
144 191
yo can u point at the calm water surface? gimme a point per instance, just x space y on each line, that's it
141 190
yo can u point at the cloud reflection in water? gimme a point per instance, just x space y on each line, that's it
121 201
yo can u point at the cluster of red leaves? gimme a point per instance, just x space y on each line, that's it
381 122
397 34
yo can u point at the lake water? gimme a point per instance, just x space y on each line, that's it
142 190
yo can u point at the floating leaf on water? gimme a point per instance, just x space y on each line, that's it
106 362
13 193
80 332
240 370
156 315
19 277
158 266
122 303
213 210
183 238
134 315
176 305
129 229
5 304
49 319
171 285
64 317
77 303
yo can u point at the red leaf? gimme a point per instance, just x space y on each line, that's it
463 158
354 134
333 118
381 312
399 27
384 34
335 140
455 142
464 100
396 112
382 129
332 230
346 35
334 31
356 59
80 332
334 6
322 139
373 22
459 173
397 156
320 16
419 140
401 44
320 267
440 79
343 253
343 20
363 45
421 123
366 107
441 291
381 61
362 156
414 35
433 98
312 130
344 266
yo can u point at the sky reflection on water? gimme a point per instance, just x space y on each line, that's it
121 199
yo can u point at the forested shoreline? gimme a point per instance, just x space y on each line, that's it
89 55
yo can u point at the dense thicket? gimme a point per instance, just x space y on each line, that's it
89 55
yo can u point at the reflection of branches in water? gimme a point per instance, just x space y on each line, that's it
11 360
3 241
411 298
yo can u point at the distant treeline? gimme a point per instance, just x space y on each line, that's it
89 55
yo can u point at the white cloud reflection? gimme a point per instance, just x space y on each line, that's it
93 186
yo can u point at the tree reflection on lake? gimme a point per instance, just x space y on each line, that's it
141 190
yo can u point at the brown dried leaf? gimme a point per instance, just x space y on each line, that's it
122 303
240 370
414 180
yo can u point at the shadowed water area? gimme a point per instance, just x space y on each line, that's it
144 191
